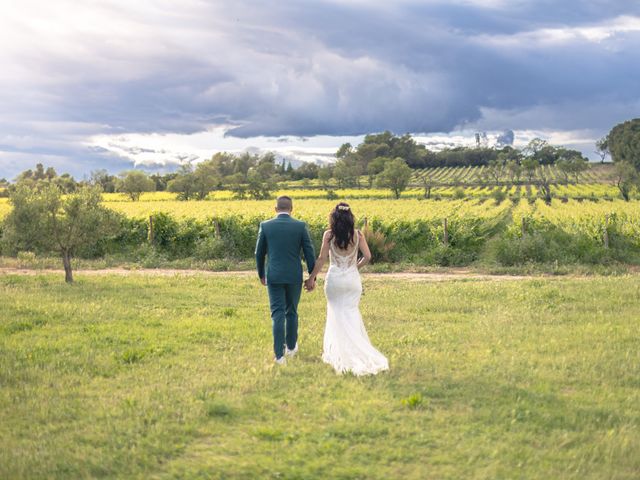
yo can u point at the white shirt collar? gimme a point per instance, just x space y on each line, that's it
282 213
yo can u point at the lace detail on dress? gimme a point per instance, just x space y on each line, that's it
343 261
346 345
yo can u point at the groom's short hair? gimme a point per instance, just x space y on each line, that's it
284 203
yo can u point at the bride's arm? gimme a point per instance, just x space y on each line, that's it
364 248
322 257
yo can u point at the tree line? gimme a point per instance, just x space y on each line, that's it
383 159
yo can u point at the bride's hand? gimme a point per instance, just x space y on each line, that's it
309 284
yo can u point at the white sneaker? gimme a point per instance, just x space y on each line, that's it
291 353
281 361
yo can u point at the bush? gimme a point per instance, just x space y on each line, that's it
177 238
230 238
530 248
379 245
132 232
149 257
445 256
239 234
26 258
547 243
210 248
409 237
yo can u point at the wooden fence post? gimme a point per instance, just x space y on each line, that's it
151 232
523 227
445 238
365 223
606 231
216 227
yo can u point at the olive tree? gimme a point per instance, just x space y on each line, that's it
324 175
544 181
514 169
625 178
623 142
374 167
259 187
395 176
195 183
565 168
347 172
602 149
529 166
496 169
184 184
134 183
42 219
427 180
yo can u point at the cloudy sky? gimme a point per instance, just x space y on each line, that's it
150 83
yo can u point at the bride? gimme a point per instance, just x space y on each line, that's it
346 343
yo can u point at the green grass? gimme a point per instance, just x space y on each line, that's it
155 377
482 265
28 261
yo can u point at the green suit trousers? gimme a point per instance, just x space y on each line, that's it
283 299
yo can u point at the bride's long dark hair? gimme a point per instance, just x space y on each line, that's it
341 222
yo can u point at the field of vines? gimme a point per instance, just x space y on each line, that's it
313 210
597 173
585 223
592 219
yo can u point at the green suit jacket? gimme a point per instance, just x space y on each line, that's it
281 239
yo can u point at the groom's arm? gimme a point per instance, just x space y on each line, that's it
307 249
261 252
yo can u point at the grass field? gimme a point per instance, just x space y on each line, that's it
150 377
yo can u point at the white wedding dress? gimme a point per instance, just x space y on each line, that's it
346 344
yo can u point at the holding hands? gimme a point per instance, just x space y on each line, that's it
310 284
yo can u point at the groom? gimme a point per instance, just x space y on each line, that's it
281 239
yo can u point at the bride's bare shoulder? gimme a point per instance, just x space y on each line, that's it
326 235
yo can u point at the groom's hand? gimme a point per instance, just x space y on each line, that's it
263 281
309 284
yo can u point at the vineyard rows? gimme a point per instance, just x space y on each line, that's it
591 190
469 176
415 228
475 204
588 218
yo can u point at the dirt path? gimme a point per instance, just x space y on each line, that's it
457 274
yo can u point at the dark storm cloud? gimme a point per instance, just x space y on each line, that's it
431 68
308 68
